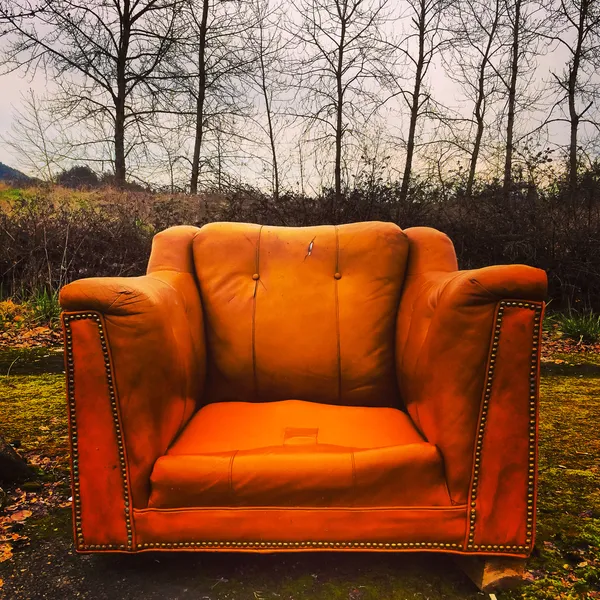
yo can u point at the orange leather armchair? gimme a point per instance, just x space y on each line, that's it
272 388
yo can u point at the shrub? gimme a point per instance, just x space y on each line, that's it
44 307
78 177
9 312
551 321
583 327
51 235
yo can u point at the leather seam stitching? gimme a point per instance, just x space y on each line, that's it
456 508
257 271
337 314
353 464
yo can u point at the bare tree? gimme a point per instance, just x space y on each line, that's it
102 54
577 31
203 76
167 154
343 52
516 26
419 49
475 47
522 33
201 26
268 46
37 139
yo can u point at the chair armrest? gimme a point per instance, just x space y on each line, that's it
135 362
126 296
467 363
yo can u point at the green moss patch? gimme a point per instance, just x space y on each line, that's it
566 561
33 415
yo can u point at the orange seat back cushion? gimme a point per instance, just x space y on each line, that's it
305 312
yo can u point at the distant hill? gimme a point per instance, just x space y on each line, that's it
9 174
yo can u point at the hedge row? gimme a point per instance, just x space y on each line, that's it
51 236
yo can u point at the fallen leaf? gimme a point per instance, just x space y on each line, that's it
549 545
40 329
20 515
5 552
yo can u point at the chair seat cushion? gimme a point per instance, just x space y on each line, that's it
295 453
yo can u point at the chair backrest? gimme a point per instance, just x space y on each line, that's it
305 313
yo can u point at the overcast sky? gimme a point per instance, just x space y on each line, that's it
14 85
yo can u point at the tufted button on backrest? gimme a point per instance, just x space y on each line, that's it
301 312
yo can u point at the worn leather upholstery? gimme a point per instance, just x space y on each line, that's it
305 388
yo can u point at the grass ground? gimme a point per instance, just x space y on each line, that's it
564 565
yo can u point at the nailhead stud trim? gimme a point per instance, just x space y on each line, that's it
220 545
532 429
296 545
67 318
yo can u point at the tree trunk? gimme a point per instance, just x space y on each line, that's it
219 171
200 98
574 116
263 81
414 109
573 163
339 131
301 164
512 95
120 167
475 154
480 103
13 469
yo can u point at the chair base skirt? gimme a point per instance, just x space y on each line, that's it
267 530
